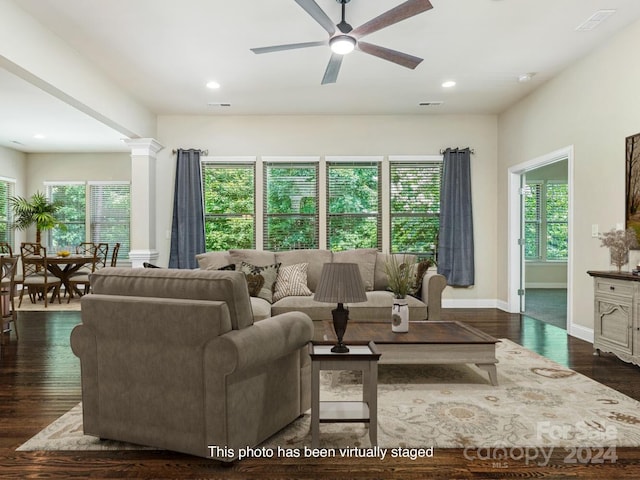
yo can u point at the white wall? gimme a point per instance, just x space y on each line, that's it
347 135
61 167
593 106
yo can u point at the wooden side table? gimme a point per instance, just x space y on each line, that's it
362 357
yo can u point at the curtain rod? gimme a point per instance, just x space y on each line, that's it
203 152
442 150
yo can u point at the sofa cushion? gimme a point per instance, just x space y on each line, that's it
377 308
261 308
315 258
366 260
213 260
291 281
229 287
253 257
315 310
265 282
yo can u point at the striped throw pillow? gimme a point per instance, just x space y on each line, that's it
292 282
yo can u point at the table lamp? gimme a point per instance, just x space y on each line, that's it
340 283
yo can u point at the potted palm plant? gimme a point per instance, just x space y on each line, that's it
36 211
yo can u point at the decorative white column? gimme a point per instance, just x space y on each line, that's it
143 200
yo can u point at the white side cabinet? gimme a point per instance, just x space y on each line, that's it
616 323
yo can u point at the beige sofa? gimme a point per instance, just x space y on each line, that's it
172 359
377 308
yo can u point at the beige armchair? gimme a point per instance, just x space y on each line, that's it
172 359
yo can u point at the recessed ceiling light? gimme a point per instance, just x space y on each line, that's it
213 85
39 136
525 77
448 84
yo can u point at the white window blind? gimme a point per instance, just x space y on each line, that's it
110 215
7 189
229 205
557 221
546 220
354 206
415 207
532 220
291 219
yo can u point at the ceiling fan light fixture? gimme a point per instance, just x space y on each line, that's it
342 44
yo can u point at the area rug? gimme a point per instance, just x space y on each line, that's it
63 306
538 403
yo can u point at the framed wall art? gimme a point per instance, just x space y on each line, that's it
632 183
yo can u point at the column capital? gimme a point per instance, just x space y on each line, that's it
143 146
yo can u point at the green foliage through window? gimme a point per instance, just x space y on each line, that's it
290 206
229 205
546 207
354 211
415 207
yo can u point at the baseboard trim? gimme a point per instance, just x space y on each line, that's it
546 285
469 303
583 333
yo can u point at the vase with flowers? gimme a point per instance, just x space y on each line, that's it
619 243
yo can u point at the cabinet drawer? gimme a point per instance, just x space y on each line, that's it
609 286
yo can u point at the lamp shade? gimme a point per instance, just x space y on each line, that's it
340 283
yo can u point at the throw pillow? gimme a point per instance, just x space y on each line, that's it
292 282
269 274
255 284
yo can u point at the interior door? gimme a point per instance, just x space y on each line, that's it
521 242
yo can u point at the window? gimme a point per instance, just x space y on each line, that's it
72 215
91 212
335 202
110 214
229 205
546 221
354 206
415 207
7 188
290 205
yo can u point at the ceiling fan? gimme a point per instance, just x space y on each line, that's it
346 38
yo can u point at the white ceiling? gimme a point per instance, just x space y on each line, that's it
163 52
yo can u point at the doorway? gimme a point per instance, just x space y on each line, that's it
539 266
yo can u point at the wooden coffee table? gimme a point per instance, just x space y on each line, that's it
425 343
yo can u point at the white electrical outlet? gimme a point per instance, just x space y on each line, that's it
595 230
619 226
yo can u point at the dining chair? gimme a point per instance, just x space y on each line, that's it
5 249
35 275
82 278
102 251
8 266
114 255
86 248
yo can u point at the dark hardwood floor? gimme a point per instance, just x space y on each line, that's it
39 381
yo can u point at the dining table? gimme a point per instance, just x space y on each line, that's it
64 267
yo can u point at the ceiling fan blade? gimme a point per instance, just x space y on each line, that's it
394 56
313 9
395 15
333 67
290 46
